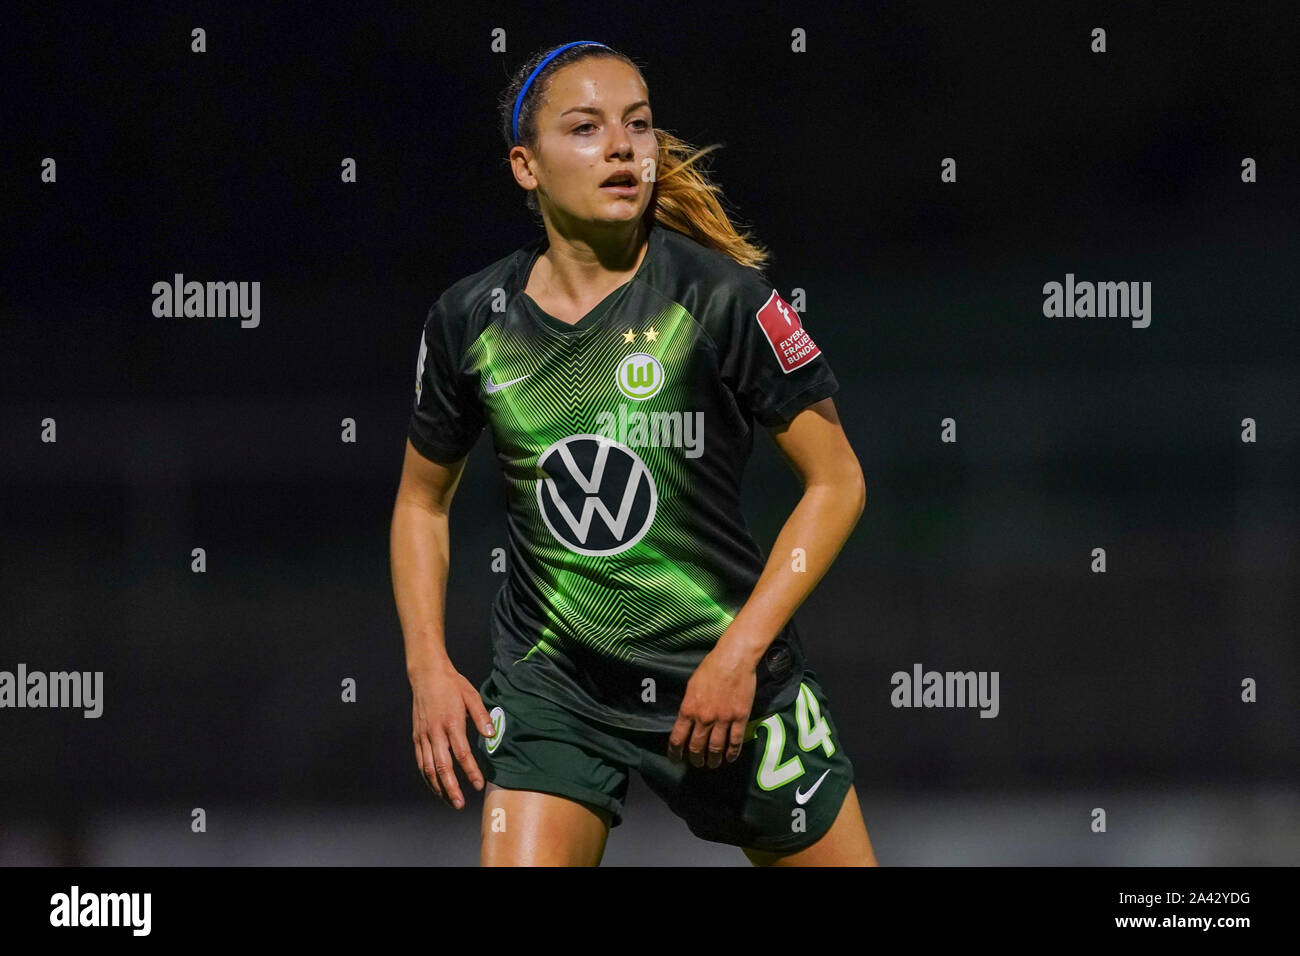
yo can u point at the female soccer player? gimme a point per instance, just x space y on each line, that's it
620 361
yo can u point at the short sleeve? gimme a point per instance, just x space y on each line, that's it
767 357
447 418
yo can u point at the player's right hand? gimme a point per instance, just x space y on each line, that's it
440 698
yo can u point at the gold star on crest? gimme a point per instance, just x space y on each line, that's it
651 334
629 336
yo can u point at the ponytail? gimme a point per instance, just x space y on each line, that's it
686 199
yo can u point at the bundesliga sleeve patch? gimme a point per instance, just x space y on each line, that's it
785 333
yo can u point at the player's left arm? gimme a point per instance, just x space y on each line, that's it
720 693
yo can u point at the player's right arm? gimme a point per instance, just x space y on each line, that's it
441 696
445 422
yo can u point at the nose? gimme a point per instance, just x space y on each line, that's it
621 143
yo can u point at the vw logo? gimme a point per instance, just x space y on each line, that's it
586 477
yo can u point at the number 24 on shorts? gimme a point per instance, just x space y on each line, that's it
813 731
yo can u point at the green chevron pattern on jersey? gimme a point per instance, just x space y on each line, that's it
625 605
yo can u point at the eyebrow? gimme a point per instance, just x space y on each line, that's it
596 112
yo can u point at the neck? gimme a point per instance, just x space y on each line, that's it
575 265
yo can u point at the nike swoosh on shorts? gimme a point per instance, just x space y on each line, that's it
802 798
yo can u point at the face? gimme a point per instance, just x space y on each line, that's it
595 121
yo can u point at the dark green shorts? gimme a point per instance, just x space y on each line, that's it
782 794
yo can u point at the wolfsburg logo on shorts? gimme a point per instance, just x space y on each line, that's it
498 718
589 476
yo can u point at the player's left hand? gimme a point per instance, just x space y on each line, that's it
714 711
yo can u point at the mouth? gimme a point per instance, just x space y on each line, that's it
622 183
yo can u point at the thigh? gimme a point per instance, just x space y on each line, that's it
531 828
556 782
845 844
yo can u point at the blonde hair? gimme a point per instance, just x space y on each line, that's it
684 198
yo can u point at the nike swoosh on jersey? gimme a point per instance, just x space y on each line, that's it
802 798
490 388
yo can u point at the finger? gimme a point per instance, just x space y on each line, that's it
677 739
478 713
419 762
460 749
424 753
718 743
737 739
699 741
446 769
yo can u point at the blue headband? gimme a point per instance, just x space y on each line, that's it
514 122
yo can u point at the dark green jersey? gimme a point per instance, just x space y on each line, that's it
622 440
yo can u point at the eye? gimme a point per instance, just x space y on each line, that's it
643 124
584 126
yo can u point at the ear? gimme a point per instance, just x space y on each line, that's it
521 166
